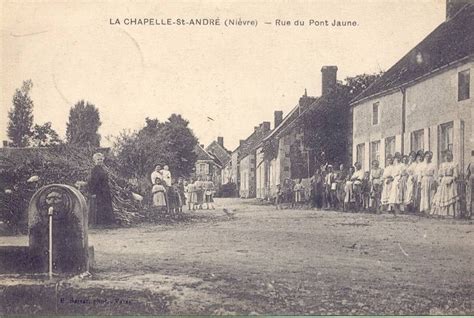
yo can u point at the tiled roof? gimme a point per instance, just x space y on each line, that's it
252 142
451 41
219 151
202 154
292 116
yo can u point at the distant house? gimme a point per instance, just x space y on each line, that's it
217 150
207 165
424 101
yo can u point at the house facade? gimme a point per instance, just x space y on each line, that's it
247 160
287 150
207 165
423 102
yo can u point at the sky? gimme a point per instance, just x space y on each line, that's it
224 80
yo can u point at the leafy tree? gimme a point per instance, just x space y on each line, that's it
21 116
180 143
84 122
328 129
44 136
357 84
171 143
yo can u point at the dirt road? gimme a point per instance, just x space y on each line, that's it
253 259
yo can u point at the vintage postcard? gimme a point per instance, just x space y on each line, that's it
204 157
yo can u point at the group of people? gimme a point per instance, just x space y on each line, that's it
409 183
200 192
194 193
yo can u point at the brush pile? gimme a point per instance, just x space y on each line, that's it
24 170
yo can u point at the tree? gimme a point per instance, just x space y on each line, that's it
328 129
171 143
357 84
84 122
21 116
180 144
44 136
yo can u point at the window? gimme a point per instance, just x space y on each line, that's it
417 140
445 140
202 168
375 151
360 153
464 82
375 114
389 146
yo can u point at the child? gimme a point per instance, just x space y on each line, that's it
366 191
298 190
199 190
278 196
209 193
192 195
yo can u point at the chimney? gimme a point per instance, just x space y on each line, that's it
241 142
265 126
5 143
255 129
202 146
220 141
329 78
454 6
277 118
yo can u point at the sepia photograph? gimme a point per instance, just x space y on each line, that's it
205 157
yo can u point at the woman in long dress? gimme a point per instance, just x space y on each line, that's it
447 191
100 190
409 198
395 192
417 175
428 186
387 183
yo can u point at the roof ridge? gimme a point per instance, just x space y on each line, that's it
439 39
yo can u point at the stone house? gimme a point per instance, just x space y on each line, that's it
207 165
246 159
424 101
287 153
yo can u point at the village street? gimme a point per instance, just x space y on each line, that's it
255 259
